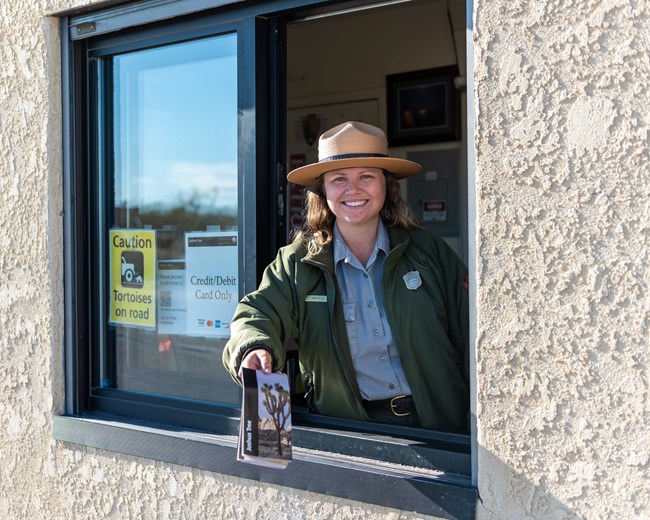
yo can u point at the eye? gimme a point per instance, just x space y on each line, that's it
339 179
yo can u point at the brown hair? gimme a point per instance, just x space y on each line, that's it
318 220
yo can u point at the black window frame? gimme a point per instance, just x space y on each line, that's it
427 472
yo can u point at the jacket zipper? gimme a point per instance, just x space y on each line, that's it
331 291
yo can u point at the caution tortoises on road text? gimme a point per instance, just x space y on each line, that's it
133 277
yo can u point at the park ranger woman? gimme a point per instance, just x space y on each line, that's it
377 305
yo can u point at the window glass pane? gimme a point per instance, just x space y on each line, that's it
173 229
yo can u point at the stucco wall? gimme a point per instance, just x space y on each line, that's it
563 282
563 255
31 386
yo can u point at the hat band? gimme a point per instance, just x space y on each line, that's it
352 156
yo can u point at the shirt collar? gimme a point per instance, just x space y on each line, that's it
341 250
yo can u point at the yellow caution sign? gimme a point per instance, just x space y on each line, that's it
133 277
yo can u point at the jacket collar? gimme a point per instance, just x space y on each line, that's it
398 237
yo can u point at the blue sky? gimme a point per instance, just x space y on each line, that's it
176 124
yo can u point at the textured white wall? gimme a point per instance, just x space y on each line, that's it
31 386
563 191
563 247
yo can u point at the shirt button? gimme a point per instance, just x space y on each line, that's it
391 386
375 332
365 275
371 304
382 359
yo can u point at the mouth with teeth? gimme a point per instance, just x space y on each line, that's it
355 203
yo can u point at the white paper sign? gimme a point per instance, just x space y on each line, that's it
211 282
172 307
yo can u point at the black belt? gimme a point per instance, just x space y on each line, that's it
400 405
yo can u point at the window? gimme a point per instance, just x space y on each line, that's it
164 226
173 207
171 173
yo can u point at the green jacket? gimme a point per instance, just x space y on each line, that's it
298 298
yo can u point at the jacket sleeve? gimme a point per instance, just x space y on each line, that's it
266 317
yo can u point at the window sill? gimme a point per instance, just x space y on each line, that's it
400 487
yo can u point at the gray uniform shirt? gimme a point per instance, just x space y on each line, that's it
375 358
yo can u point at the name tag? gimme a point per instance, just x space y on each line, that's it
316 298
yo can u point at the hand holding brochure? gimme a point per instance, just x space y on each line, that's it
265 430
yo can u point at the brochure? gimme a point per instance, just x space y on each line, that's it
265 430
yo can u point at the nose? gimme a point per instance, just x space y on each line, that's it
353 186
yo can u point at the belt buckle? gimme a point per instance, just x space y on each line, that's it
393 406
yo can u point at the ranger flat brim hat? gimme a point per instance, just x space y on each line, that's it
353 145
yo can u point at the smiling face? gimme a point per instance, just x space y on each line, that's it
355 196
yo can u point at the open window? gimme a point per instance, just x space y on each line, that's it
180 127
401 67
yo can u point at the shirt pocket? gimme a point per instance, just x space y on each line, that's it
350 315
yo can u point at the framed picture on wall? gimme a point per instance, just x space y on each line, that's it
423 106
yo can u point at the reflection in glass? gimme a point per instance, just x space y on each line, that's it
174 164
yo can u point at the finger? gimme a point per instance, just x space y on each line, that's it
251 361
247 362
265 360
254 360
